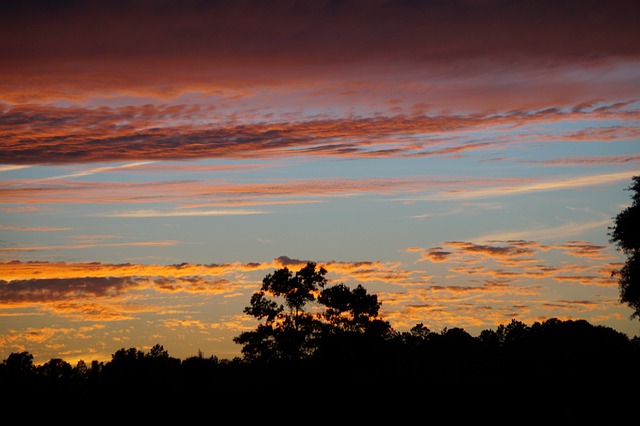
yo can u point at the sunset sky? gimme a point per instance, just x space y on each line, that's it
463 160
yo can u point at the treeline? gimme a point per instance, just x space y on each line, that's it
319 348
551 359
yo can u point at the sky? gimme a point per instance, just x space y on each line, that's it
462 160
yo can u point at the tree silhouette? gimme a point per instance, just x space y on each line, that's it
57 372
289 329
18 371
299 327
626 235
350 310
353 339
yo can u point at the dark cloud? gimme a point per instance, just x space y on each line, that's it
286 261
497 251
69 49
318 32
55 289
437 254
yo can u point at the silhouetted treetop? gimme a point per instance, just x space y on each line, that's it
626 235
296 328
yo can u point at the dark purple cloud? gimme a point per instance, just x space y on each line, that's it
53 289
319 32
73 46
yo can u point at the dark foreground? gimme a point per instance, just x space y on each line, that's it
561 372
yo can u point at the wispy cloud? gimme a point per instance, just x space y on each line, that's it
207 191
182 213
57 135
539 186
7 168
586 161
246 202
86 246
95 170
34 228
564 231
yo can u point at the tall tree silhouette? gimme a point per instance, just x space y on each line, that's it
626 235
289 328
301 316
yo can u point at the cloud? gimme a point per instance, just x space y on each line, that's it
587 161
392 273
182 213
55 289
514 249
113 292
213 278
125 43
108 292
434 254
34 228
95 170
12 167
539 186
287 262
206 191
610 133
44 134
86 246
547 233
235 203
518 261
585 249
17 270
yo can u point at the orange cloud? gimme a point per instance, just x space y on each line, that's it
518 261
584 249
17 270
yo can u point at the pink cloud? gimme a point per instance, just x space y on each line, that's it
33 134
